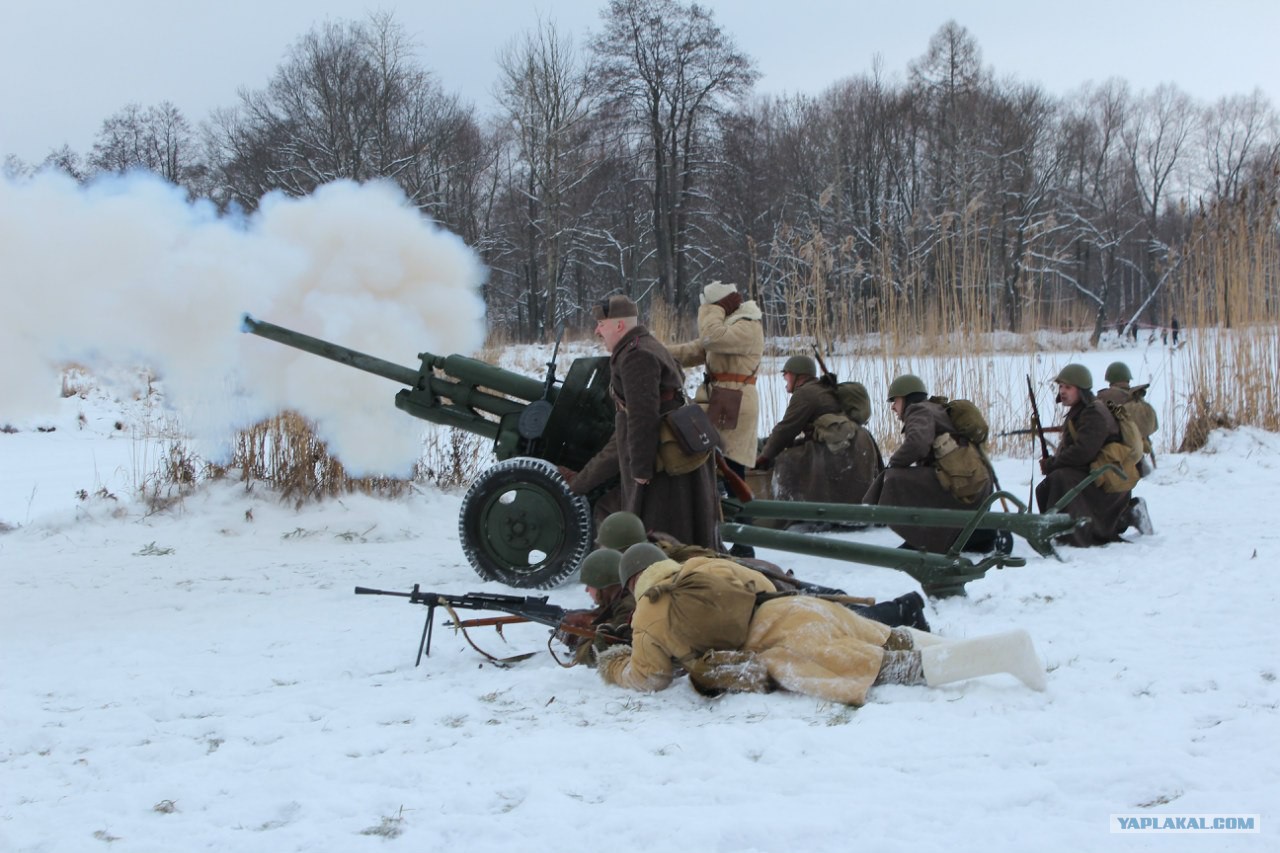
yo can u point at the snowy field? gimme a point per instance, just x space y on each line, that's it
204 679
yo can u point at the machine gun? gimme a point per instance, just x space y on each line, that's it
524 608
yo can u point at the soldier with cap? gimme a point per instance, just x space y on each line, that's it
1089 426
820 453
915 475
646 384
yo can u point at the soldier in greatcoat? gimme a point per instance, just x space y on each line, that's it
730 343
1088 426
646 384
807 469
910 478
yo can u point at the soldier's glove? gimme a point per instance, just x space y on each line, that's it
731 303
1046 465
763 463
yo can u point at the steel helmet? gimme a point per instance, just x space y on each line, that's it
1118 371
600 568
801 365
907 383
621 530
637 558
1077 375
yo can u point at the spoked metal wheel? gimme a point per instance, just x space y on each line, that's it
520 525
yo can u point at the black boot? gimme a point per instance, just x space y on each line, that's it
903 611
742 551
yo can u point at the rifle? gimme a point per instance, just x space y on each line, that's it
531 608
1036 428
1028 431
732 481
822 365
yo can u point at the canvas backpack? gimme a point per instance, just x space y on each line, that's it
1143 414
854 401
967 418
1130 432
1124 454
962 469
708 611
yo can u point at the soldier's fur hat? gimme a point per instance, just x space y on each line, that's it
615 306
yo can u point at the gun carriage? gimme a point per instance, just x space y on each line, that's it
521 525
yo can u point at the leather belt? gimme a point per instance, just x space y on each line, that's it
733 377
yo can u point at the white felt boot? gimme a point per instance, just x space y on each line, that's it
1010 652
920 639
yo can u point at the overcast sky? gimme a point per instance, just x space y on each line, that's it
65 66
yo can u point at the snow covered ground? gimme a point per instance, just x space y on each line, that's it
203 679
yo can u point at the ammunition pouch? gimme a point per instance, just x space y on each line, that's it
1120 455
960 469
836 431
686 440
723 406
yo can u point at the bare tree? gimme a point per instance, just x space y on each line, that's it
1098 204
1233 128
349 102
547 95
670 70
158 139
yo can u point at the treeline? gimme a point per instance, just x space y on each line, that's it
642 161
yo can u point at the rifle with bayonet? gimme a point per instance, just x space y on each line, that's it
526 608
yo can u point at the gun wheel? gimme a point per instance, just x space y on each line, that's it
521 526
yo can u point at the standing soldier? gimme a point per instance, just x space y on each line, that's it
647 384
935 467
1089 427
821 454
730 343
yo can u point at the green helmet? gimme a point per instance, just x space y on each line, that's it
600 568
1077 375
801 365
621 530
1118 371
907 383
637 558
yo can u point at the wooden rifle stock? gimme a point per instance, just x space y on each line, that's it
737 486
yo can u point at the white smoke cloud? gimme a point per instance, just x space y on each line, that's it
125 271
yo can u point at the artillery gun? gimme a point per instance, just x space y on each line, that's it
521 525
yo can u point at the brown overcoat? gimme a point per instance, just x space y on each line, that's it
729 346
647 383
808 470
909 480
1087 428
